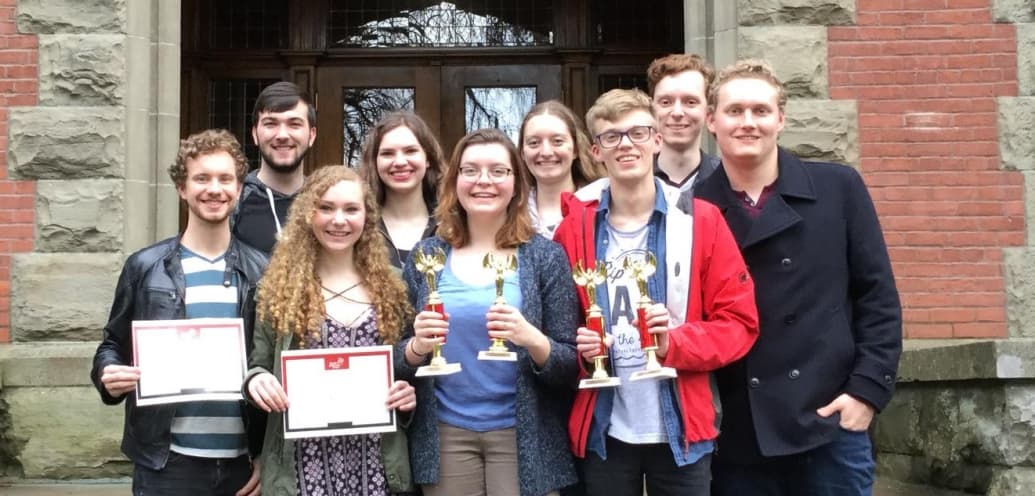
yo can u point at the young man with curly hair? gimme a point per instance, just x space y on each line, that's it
197 448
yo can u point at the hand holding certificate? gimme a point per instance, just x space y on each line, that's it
188 360
334 391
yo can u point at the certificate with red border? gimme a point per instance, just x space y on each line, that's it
189 360
337 391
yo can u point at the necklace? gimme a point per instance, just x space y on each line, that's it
341 294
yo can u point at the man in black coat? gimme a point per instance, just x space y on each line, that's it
798 406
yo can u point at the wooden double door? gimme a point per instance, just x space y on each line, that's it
452 99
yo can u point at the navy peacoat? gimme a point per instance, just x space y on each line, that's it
831 321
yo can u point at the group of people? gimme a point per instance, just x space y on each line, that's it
770 296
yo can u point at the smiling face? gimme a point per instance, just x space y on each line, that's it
548 148
339 217
211 188
401 161
483 196
681 106
284 137
627 161
747 122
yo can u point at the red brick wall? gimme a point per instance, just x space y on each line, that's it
18 86
925 74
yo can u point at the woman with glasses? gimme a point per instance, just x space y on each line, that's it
497 427
402 163
555 148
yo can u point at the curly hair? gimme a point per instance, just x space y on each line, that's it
206 143
747 69
427 141
584 169
669 65
289 295
452 219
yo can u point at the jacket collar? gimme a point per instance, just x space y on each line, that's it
793 184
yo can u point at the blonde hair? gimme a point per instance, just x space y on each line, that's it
746 69
614 104
289 295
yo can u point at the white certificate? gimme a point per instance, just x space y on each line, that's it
337 391
189 360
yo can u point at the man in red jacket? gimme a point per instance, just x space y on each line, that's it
704 315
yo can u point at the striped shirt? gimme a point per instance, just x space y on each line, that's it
208 429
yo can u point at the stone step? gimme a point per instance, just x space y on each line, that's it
889 487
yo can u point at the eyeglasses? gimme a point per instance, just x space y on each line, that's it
636 134
496 174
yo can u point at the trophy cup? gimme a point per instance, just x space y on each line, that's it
429 264
501 265
641 270
589 279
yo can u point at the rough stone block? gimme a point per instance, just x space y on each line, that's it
46 364
824 130
71 16
818 12
1026 59
62 296
79 216
65 432
1013 10
1016 141
82 69
1019 264
798 55
1016 481
66 142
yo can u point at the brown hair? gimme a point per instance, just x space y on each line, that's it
676 63
289 295
584 169
452 219
746 69
206 143
281 97
427 141
612 105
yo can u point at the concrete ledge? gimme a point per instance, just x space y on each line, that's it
46 364
958 360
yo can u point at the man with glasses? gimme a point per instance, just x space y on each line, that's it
655 432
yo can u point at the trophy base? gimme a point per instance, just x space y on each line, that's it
498 356
441 369
597 383
654 374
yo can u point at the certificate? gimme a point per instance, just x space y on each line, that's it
337 391
189 360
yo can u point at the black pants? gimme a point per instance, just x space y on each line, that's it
627 465
192 476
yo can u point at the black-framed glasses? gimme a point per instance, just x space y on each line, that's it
636 134
496 174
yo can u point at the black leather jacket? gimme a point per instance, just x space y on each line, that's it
151 287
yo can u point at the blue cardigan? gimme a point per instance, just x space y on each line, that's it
543 394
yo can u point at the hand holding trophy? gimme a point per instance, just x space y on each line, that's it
640 270
589 279
430 265
501 265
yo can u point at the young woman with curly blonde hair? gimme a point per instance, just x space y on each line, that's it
329 285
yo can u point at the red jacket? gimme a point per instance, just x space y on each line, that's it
721 323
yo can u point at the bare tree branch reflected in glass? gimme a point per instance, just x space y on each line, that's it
497 107
363 108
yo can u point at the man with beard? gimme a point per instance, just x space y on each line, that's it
284 128
203 447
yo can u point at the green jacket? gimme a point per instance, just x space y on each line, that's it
278 475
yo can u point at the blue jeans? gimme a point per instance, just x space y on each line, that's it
192 476
842 467
627 465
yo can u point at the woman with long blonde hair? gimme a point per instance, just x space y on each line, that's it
329 285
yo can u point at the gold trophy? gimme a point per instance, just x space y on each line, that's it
589 279
640 270
429 265
501 265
